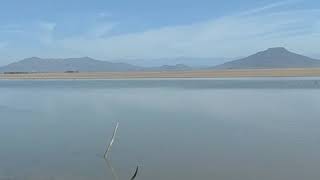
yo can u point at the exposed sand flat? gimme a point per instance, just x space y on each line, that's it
296 72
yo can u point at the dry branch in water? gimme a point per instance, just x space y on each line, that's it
106 154
135 173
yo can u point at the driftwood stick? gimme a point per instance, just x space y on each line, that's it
107 152
135 173
113 172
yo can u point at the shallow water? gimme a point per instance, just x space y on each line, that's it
177 129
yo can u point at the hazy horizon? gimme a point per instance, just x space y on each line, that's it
274 54
196 62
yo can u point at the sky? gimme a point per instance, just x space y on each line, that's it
127 30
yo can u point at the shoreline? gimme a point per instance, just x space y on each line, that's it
292 72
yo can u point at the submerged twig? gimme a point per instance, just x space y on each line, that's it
111 142
108 149
135 173
107 154
113 172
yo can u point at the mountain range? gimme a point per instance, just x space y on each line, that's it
87 64
278 57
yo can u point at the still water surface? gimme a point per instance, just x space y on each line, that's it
196 129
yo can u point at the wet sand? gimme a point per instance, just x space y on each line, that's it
294 72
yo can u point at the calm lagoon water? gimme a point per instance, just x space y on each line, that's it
224 129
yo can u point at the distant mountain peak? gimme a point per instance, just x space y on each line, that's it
32 58
274 51
85 57
276 57
278 49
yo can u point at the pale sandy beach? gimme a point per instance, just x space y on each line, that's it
294 72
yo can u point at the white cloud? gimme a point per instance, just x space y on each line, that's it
268 7
45 32
229 36
100 30
48 26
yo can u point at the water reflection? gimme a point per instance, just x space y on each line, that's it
173 133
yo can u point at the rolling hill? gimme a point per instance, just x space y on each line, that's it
271 58
86 64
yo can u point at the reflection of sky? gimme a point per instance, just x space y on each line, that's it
173 133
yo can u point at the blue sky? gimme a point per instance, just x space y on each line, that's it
150 29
